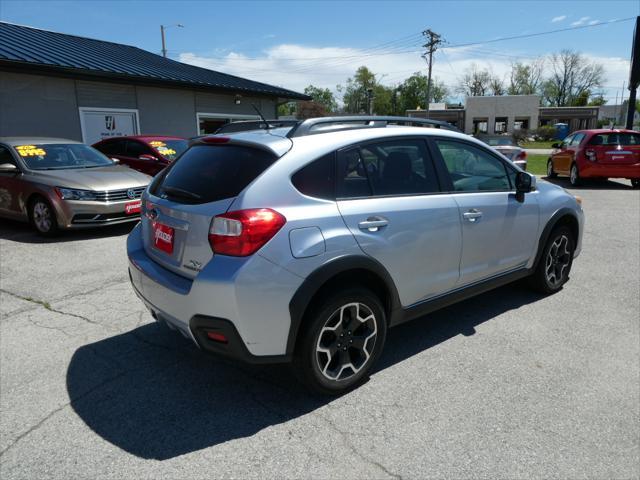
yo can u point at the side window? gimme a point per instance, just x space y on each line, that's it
472 169
577 138
113 147
135 149
5 156
398 167
317 178
567 141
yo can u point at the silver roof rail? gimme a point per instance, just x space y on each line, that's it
314 126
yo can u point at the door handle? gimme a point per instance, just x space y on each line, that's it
472 215
373 224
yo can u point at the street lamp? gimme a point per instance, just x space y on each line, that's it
162 29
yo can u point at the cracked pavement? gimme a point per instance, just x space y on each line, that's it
506 385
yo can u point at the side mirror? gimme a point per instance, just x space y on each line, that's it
555 145
147 157
8 168
525 183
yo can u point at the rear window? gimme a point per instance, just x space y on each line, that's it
316 179
206 173
615 138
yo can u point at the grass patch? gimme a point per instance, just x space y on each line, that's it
538 144
537 164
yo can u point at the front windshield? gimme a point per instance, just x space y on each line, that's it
59 156
170 149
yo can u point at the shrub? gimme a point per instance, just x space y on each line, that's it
546 132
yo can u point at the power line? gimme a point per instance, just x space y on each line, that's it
434 40
537 34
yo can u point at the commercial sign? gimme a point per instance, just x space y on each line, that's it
100 124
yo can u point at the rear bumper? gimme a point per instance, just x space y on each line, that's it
246 298
592 169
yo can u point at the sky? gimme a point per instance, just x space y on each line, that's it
296 43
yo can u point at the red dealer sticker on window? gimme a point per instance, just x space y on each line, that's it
162 237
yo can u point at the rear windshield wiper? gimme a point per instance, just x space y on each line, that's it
179 192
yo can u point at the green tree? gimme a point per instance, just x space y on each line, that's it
323 96
526 79
412 92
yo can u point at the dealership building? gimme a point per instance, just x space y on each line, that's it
59 85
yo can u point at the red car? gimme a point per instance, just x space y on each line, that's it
597 154
146 153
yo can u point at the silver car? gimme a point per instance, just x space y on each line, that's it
307 243
57 184
507 146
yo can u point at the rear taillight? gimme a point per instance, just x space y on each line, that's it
591 155
522 155
244 232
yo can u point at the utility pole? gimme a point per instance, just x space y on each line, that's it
162 29
433 40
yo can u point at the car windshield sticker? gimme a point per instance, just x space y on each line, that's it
30 151
166 151
157 144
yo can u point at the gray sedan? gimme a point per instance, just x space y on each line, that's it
54 184
507 146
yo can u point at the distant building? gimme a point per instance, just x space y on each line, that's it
59 85
507 113
616 114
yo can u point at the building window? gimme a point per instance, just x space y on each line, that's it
521 123
480 125
500 126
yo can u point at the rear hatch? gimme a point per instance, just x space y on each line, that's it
183 199
615 148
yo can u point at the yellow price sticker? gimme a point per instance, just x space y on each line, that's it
30 151
167 151
157 144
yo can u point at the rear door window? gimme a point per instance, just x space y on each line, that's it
396 167
577 139
207 173
135 149
112 147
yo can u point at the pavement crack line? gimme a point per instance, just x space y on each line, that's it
355 451
46 305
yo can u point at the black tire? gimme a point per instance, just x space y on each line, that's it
43 217
555 263
550 172
635 183
574 175
326 328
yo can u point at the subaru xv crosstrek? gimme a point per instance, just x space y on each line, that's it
305 244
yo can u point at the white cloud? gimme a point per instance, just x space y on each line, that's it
296 66
558 19
593 22
582 21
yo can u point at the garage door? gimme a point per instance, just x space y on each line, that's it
99 124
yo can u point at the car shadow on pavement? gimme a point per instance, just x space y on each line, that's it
24 233
591 184
154 395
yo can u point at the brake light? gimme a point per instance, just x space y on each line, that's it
590 154
522 155
243 232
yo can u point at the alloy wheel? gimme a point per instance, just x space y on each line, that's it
346 341
573 175
42 217
557 261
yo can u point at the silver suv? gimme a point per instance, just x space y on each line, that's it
306 243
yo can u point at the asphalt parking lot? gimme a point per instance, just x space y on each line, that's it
506 385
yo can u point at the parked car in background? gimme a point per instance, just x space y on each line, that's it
305 244
599 154
146 153
508 147
55 183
